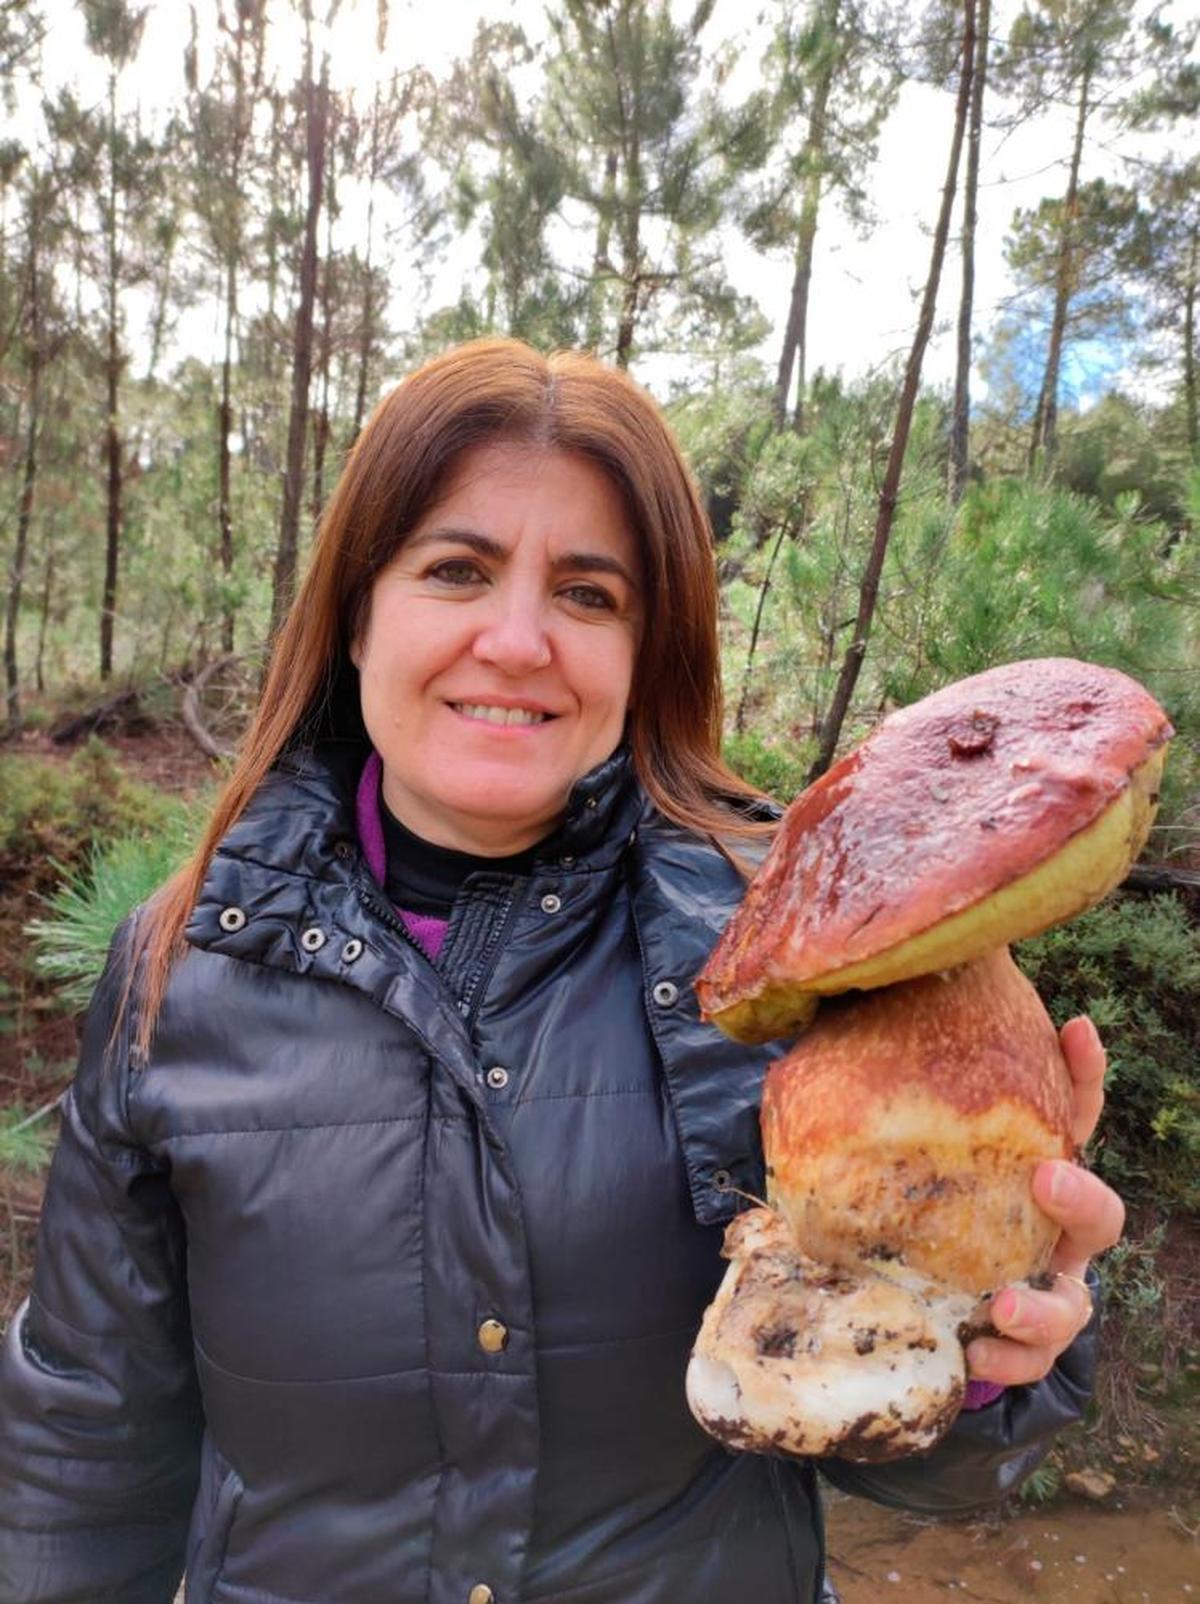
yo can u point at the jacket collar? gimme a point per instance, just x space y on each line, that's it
600 804
293 861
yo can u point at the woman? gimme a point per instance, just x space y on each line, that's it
391 1186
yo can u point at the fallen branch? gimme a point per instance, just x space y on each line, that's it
32 1119
121 709
190 711
1157 877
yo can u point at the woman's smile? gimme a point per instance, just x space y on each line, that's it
496 664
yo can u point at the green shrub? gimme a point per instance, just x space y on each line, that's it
52 814
1133 964
779 771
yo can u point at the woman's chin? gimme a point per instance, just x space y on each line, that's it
486 813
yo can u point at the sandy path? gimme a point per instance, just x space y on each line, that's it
1071 1554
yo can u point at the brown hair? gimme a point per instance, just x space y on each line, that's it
479 393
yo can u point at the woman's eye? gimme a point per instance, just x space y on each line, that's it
454 571
590 597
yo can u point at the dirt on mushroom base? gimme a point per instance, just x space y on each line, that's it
1143 1549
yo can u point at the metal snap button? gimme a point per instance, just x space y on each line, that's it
343 851
492 1336
232 920
481 1593
352 950
666 994
590 803
313 939
551 903
722 1180
497 1077
567 859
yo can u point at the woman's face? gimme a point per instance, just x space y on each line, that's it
496 662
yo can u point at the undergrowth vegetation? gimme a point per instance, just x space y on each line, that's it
54 812
1133 964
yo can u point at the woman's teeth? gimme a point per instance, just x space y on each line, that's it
499 715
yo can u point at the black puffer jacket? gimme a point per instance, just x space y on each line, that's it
389 1291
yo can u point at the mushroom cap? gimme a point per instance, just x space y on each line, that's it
905 1126
990 810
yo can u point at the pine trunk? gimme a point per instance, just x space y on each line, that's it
16 579
112 447
1189 349
601 266
960 428
224 462
316 114
367 311
831 728
1045 418
39 678
795 338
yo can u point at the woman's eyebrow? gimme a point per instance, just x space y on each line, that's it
573 562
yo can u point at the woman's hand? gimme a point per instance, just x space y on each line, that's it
1037 1326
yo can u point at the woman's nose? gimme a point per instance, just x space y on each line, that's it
513 638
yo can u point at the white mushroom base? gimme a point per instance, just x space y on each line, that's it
794 1357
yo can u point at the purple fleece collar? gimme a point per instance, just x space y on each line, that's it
428 931
370 819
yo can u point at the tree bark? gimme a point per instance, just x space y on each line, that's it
367 312
601 265
39 677
795 338
325 359
960 428
831 729
1045 417
233 247
112 374
224 461
316 117
1189 349
12 612
785 530
631 212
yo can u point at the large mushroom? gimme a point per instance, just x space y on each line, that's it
902 1130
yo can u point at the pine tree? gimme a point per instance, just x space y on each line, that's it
1078 53
221 121
831 79
114 32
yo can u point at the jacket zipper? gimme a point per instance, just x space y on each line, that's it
474 995
469 1003
387 917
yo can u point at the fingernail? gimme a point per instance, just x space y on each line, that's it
978 1355
1064 1184
1006 1310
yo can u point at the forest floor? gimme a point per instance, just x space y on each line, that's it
1140 1544
1144 1549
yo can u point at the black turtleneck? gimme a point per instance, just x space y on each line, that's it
425 878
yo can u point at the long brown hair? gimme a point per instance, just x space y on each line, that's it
476 394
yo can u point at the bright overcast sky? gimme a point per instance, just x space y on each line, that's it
863 300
